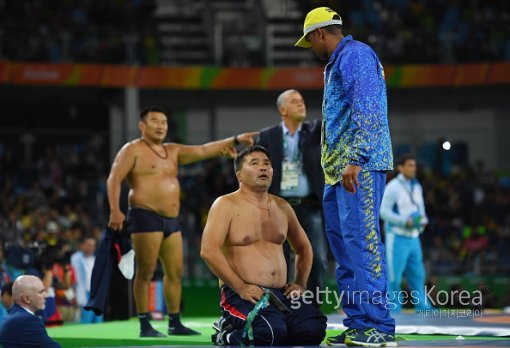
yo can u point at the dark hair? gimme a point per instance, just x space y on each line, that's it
403 159
7 288
146 111
86 237
333 28
238 161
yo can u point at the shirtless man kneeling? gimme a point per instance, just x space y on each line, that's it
243 245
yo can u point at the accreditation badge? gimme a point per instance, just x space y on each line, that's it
290 176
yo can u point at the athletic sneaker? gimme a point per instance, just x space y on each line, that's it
371 338
222 327
340 339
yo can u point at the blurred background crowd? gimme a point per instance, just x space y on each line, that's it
53 195
47 209
246 33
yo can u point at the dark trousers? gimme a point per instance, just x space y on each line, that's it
311 219
303 325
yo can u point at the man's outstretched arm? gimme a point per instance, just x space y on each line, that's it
193 153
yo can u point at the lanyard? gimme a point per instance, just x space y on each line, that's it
409 192
248 327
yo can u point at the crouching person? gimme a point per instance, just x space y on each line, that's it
242 244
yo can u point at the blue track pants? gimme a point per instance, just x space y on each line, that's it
353 231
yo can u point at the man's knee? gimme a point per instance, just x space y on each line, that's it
314 332
145 272
266 333
308 333
174 275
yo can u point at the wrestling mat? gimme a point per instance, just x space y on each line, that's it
440 329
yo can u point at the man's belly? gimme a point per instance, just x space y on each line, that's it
261 270
162 199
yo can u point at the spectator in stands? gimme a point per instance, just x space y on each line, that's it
151 168
7 295
64 278
474 244
21 327
83 262
404 31
5 277
6 299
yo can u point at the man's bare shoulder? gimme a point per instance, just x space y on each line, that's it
227 200
171 145
223 206
131 147
280 202
133 144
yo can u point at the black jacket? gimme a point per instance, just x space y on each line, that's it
309 144
112 246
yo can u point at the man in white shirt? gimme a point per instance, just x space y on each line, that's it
403 212
83 263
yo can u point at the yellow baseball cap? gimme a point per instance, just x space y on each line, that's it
317 18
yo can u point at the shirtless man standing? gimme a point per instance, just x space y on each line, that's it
150 167
243 245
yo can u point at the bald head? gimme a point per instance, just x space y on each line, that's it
28 291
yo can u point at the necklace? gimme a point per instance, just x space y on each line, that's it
263 208
157 154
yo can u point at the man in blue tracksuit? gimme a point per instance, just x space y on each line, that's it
356 154
403 212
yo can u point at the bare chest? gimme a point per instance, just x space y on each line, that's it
150 163
250 226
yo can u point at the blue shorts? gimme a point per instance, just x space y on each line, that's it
303 325
140 220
